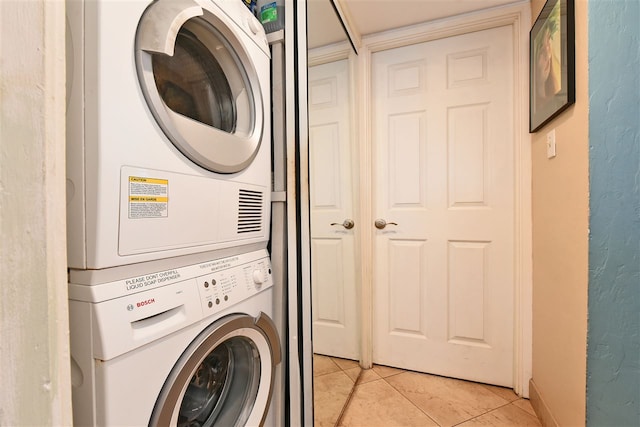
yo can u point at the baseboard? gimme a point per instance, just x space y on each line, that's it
541 408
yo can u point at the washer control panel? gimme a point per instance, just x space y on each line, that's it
152 305
232 280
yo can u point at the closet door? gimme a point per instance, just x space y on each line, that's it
333 230
444 206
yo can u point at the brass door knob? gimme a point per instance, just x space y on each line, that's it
347 223
381 223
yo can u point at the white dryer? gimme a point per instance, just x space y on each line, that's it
168 133
186 346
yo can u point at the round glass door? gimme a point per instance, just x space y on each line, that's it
200 84
192 83
223 378
223 389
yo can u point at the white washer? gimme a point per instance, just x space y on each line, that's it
186 346
168 133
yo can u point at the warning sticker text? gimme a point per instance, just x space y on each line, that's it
148 197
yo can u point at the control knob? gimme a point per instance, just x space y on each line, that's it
258 277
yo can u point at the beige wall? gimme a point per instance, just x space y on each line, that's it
35 384
560 243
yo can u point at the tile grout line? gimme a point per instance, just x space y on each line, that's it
359 379
468 419
490 411
318 374
482 414
409 400
489 388
349 397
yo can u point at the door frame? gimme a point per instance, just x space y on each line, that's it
518 17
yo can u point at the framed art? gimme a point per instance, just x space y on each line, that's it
551 63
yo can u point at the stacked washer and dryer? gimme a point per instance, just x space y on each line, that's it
169 182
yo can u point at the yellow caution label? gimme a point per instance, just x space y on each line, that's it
148 180
148 197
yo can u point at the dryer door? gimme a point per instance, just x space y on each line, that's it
200 83
224 378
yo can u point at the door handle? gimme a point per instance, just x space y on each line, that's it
381 223
347 223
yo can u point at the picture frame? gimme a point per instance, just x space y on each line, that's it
551 63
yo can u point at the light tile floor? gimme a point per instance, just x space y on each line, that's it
385 397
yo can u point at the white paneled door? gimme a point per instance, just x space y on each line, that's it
333 283
444 185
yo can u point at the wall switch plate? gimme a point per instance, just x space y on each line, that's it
551 144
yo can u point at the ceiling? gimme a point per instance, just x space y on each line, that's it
373 16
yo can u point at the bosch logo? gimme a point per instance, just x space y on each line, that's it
145 302
130 307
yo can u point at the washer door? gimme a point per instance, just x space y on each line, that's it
200 84
224 378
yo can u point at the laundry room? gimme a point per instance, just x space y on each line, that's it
321 212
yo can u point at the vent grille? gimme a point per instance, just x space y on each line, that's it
249 211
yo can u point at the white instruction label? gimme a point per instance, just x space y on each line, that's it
148 197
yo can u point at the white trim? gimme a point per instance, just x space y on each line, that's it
518 17
356 164
330 53
523 327
365 216
447 27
